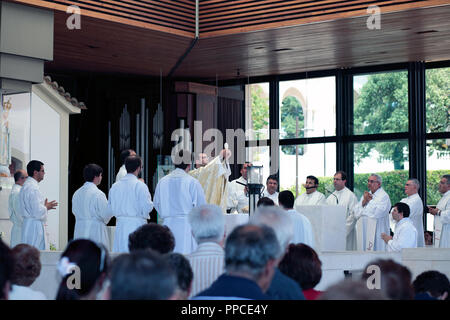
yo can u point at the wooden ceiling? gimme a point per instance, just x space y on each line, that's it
297 40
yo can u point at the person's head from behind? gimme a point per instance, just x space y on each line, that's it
6 267
20 176
26 265
286 199
311 185
181 266
433 283
133 164
265 202
399 211
83 267
302 264
152 236
395 279
35 169
349 289
279 220
272 184
207 223
93 173
125 154
252 252
141 275
182 161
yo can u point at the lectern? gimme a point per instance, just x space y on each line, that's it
328 224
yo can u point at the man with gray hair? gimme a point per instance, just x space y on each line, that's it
251 254
374 204
442 212
415 204
207 261
282 287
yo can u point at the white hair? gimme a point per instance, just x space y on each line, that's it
415 182
379 179
207 223
279 220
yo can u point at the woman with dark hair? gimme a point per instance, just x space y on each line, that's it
26 269
83 266
302 264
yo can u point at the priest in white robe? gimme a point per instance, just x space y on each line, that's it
376 205
416 207
311 197
303 231
34 208
122 170
271 189
405 234
213 177
129 200
442 214
237 196
343 196
13 207
175 196
90 207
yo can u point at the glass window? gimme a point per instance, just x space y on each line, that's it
438 159
317 159
380 103
438 99
257 111
388 159
308 108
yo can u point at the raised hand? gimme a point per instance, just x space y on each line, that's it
50 205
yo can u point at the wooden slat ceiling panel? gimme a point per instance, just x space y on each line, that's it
413 35
162 15
225 17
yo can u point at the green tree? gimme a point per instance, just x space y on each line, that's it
382 107
438 107
260 111
290 109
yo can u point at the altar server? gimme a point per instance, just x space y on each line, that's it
130 202
90 207
405 234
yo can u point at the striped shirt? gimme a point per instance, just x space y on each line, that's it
207 263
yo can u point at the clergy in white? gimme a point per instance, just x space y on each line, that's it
311 197
130 202
237 198
303 231
175 196
90 207
442 213
34 207
405 234
123 155
376 205
342 196
271 189
416 208
13 207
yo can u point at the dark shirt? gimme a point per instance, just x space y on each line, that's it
284 288
423 296
233 287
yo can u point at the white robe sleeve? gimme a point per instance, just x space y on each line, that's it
377 208
445 215
145 200
157 200
198 196
102 208
38 210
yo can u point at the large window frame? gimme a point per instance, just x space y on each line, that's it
345 138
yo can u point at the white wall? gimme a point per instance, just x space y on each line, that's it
45 146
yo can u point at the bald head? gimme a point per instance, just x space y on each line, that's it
20 176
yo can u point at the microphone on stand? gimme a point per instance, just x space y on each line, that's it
332 193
